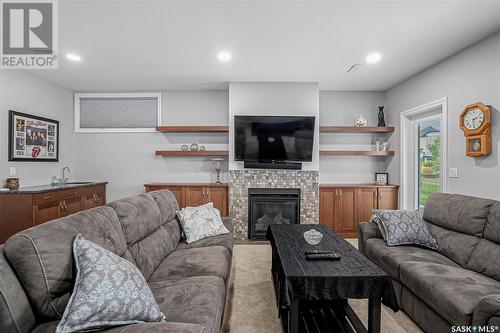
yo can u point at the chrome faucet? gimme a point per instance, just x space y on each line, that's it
64 179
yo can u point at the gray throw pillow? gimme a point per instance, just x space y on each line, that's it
404 227
201 222
377 221
109 291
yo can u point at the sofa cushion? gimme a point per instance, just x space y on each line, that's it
486 259
451 291
15 311
458 212
42 256
225 240
164 327
109 291
492 228
198 300
206 261
454 245
139 216
142 222
391 258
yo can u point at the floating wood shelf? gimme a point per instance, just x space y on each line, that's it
355 129
355 153
192 153
179 129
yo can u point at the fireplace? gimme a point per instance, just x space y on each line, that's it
271 206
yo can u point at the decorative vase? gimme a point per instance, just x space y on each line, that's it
361 122
313 237
195 147
184 147
381 117
203 148
12 183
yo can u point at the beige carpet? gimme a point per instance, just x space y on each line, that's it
251 304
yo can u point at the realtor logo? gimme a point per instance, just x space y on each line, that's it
29 37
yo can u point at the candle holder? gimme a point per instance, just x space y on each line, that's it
217 166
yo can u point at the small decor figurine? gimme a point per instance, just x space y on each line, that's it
12 183
184 147
194 147
313 237
217 165
360 122
381 117
203 148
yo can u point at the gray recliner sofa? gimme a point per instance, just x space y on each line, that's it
456 285
188 280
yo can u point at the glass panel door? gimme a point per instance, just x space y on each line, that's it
429 159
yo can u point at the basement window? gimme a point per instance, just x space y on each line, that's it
117 112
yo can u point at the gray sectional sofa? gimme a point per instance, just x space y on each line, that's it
458 284
188 280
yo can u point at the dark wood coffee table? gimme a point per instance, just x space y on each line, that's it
312 295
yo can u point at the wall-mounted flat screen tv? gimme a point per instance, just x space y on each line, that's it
273 138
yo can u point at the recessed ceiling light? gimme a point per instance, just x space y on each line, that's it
373 57
224 56
73 57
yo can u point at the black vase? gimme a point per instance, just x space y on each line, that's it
381 120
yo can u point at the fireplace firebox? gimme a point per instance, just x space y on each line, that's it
271 206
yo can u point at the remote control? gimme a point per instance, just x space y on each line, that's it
323 256
317 252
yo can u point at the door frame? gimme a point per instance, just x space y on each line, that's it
407 163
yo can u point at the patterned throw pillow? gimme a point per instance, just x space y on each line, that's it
404 227
109 291
201 222
377 221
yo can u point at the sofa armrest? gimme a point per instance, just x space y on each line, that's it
367 230
228 223
487 312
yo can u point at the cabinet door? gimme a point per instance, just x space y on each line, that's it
178 191
346 222
387 198
327 200
218 195
47 207
71 206
94 196
195 196
366 201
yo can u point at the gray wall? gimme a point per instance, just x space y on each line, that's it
127 160
342 108
23 92
470 76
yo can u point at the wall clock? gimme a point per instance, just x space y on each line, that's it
475 121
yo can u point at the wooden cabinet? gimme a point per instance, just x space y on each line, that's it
28 207
196 194
343 206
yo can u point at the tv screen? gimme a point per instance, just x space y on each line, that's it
273 138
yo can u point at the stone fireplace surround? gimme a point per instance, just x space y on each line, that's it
241 180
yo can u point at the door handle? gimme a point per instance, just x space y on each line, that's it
96 199
62 206
73 193
49 197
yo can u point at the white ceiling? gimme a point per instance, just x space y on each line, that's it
143 45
